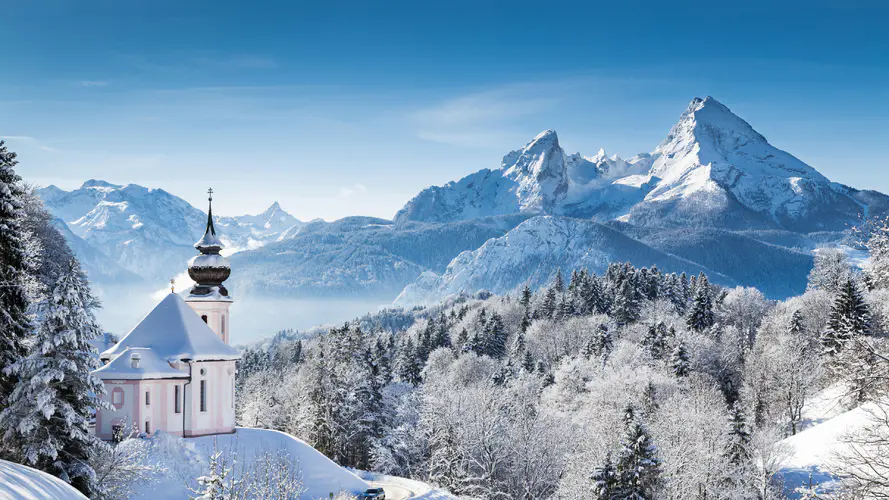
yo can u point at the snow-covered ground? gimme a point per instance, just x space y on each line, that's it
399 488
825 422
24 483
186 459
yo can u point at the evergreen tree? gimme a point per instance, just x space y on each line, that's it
604 478
217 485
47 417
626 308
596 298
526 297
297 353
649 400
701 316
495 338
655 341
737 450
409 367
528 362
16 267
637 466
382 361
517 350
526 321
679 361
442 333
558 282
463 341
796 329
574 281
548 307
848 318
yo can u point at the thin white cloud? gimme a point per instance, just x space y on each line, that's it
92 83
486 117
28 140
350 191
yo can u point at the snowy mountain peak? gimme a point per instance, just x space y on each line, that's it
97 183
540 171
715 168
272 210
548 136
711 121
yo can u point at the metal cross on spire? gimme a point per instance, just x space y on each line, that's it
172 285
210 192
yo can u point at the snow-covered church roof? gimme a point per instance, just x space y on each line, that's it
175 332
147 365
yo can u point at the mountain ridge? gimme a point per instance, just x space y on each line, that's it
712 169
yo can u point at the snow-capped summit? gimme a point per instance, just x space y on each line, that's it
714 168
539 171
272 220
538 178
151 232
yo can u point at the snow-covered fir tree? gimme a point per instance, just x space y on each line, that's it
679 361
47 417
16 268
605 480
849 318
700 316
637 464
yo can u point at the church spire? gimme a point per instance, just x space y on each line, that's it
209 243
209 269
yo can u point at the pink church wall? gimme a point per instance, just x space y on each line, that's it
159 413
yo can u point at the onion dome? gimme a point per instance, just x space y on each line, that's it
209 269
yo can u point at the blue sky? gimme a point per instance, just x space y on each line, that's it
344 108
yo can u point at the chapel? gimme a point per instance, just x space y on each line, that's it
175 370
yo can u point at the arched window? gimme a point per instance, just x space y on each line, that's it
204 317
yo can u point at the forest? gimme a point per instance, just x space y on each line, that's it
632 384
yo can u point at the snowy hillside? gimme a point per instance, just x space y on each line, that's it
712 170
530 253
812 453
24 483
185 459
359 256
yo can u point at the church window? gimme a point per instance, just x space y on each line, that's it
147 398
147 427
117 397
177 404
203 395
204 317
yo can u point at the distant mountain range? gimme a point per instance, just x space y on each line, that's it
714 196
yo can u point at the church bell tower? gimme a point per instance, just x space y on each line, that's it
208 297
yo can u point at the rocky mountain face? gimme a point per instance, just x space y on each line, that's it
712 170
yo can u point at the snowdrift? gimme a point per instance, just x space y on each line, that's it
24 483
185 459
